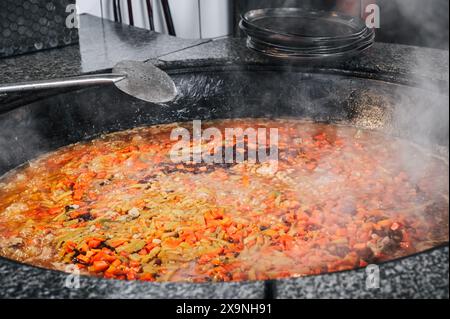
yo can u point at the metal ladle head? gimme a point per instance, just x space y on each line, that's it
145 81
141 80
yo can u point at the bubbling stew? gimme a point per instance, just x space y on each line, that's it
118 206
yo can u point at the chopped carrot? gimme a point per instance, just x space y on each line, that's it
99 266
172 242
94 243
245 181
120 208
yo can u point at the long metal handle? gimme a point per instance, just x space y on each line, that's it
84 80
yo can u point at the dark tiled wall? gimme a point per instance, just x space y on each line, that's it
33 25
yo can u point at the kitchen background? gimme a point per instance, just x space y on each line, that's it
192 18
37 122
413 22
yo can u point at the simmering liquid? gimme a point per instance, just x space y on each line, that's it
118 207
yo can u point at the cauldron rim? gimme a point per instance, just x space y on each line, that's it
214 68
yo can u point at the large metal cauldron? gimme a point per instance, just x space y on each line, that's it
419 114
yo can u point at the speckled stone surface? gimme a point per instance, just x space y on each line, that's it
421 276
20 281
385 61
104 43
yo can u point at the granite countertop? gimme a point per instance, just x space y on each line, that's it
104 43
420 276
390 62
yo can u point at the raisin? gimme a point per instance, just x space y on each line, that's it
158 262
86 217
